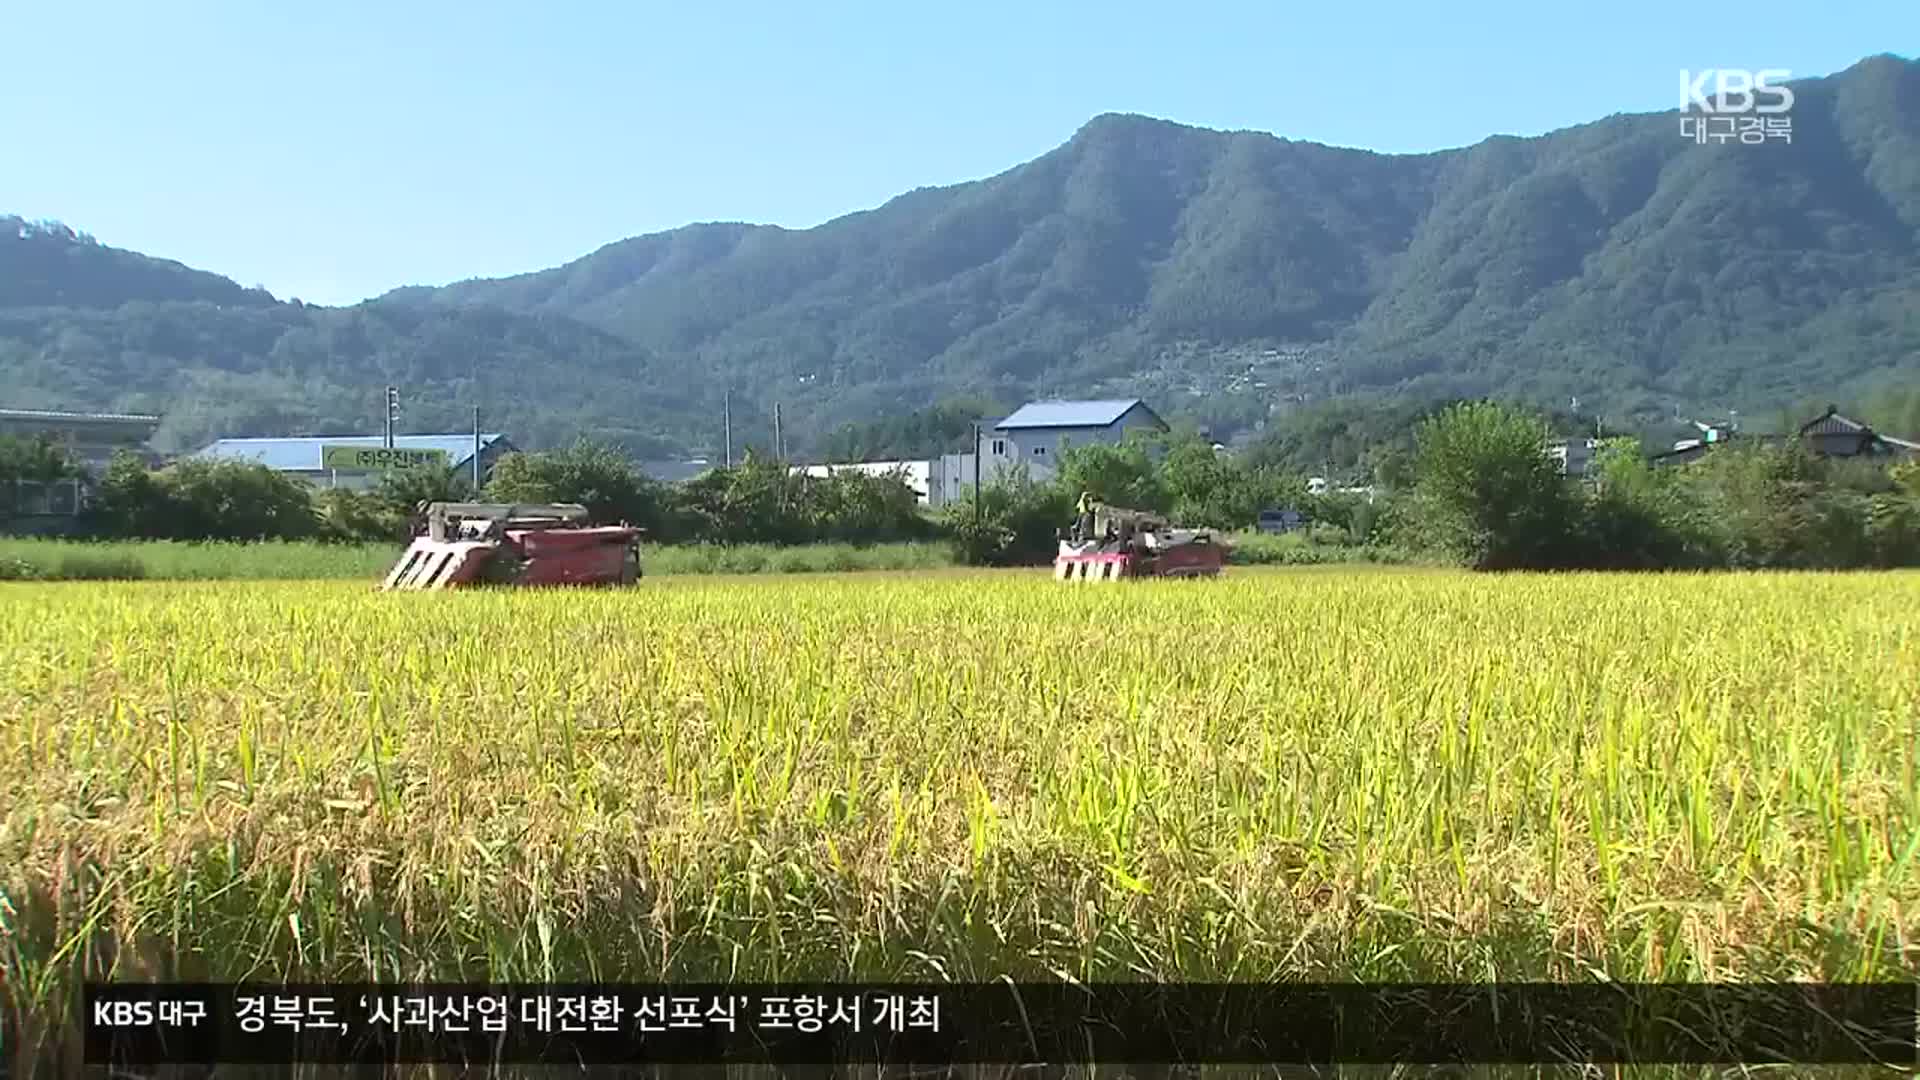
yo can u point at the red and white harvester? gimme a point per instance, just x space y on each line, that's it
1107 544
461 545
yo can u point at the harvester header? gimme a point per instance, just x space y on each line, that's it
458 545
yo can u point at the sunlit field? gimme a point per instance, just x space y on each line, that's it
1326 774
39 559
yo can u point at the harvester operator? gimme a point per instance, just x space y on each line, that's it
1083 517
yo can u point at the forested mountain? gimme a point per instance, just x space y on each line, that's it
84 326
47 264
214 371
1226 276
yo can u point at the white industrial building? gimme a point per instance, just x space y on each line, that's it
912 473
89 440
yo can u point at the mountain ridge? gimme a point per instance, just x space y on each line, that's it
1117 117
1233 276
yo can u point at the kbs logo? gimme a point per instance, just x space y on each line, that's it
123 1014
1734 90
165 1012
1723 104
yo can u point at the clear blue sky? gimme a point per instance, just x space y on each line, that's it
334 150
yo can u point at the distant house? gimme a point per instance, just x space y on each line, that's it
1687 451
1035 432
1033 436
1573 456
1830 434
1280 520
1834 435
301 456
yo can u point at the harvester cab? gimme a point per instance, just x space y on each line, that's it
1107 543
458 545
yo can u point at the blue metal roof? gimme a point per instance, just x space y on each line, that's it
1046 414
293 455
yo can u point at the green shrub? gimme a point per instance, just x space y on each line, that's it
1893 530
791 560
202 500
101 567
658 559
1017 523
744 559
12 569
360 517
1488 492
179 561
1296 549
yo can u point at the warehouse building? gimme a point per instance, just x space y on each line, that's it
89 440
914 474
356 462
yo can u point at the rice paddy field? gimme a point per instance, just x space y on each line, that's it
1324 774
43 559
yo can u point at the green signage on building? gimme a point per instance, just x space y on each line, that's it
381 459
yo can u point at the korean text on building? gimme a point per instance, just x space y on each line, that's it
381 459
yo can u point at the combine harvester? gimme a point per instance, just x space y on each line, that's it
1107 544
459 545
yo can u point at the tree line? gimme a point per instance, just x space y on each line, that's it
1474 484
1487 496
758 501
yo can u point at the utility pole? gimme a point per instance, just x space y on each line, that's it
476 453
726 420
393 412
976 478
779 444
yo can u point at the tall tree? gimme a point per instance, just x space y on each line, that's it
1488 490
